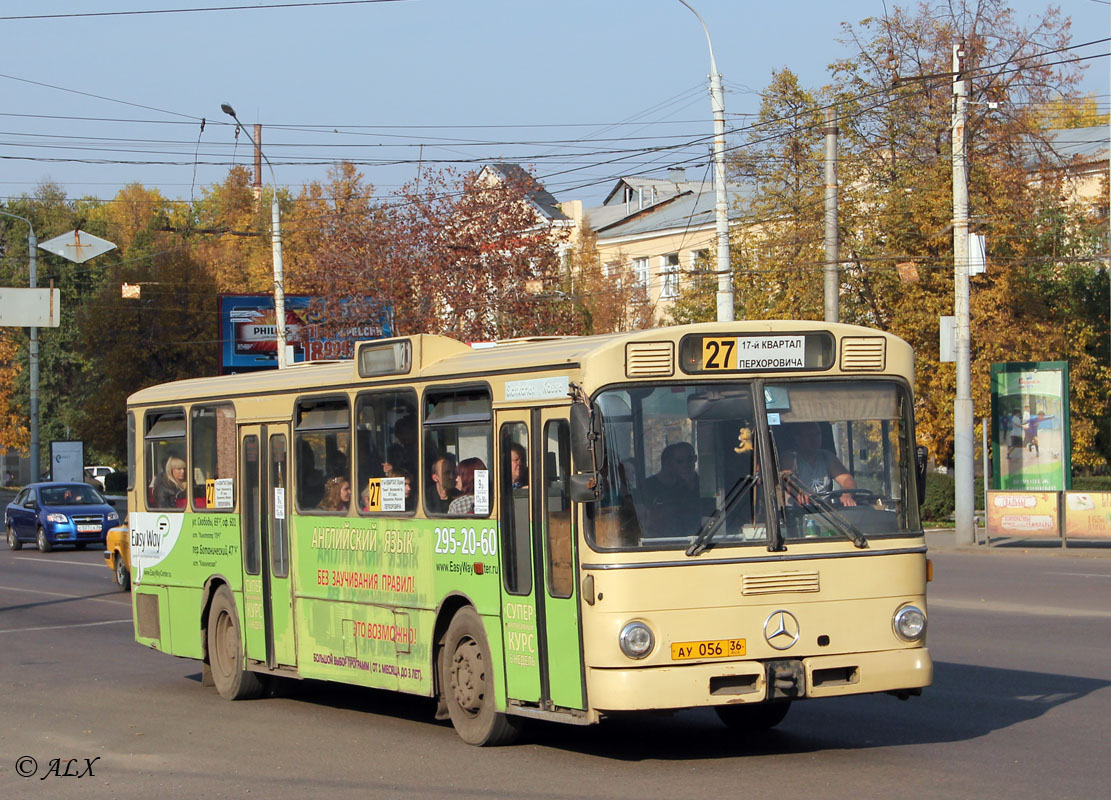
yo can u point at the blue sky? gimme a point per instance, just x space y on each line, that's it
565 86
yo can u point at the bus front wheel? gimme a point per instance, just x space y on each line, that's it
467 675
749 717
225 653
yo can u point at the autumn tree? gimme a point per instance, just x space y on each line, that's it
609 298
462 255
894 97
170 331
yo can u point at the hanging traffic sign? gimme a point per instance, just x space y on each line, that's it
77 246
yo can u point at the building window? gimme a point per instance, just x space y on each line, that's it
641 271
669 272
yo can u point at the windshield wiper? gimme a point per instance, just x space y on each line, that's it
827 510
710 529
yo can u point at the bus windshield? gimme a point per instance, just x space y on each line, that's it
684 465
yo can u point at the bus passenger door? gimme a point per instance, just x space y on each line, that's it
556 546
267 586
543 654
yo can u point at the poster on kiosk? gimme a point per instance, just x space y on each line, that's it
1030 426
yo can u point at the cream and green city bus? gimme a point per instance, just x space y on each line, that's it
721 515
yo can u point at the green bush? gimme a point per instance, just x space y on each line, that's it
938 505
1091 483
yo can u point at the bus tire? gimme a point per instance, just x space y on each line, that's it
467 675
225 651
750 717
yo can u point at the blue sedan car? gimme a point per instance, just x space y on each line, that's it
49 514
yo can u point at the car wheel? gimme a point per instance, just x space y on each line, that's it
225 651
467 678
13 540
44 544
123 577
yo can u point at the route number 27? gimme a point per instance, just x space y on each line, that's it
719 354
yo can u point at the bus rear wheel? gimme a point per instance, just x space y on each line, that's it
225 652
467 678
749 717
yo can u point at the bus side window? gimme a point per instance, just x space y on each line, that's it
213 449
165 448
515 527
322 443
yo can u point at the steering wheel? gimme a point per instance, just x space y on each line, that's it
863 497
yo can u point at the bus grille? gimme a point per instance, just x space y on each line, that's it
863 353
649 359
782 582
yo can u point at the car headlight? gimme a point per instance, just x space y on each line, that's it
909 623
636 640
60 519
113 517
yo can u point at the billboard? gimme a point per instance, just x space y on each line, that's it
1030 426
1023 514
248 334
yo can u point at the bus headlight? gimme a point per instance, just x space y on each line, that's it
636 640
910 623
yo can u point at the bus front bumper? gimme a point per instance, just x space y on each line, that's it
723 683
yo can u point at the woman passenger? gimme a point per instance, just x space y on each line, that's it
464 482
169 487
337 494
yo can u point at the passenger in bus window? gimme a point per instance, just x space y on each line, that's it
518 466
402 454
464 483
169 486
441 488
337 494
672 493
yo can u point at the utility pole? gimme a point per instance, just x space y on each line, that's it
721 206
963 421
832 281
258 161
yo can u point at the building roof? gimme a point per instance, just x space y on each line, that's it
540 197
691 206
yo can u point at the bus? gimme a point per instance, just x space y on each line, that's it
719 515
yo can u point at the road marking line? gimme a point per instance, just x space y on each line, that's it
1017 608
1081 575
60 627
57 561
59 594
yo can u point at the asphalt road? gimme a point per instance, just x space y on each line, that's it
1019 709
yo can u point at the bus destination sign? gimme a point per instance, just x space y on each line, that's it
754 353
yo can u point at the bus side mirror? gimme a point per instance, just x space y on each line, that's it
585 487
921 459
587 442
588 452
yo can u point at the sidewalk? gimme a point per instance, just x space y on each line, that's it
945 539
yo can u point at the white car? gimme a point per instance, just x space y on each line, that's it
98 473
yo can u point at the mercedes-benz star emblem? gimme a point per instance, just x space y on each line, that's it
781 629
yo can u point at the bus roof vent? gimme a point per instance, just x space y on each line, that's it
863 354
649 360
779 582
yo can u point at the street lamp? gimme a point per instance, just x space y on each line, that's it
32 246
717 102
276 240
